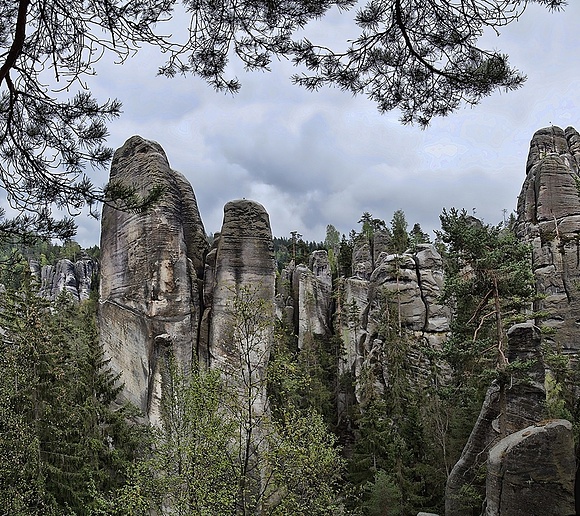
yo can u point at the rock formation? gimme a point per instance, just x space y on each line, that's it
312 297
525 405
410 284
77 278
548 216
531 472
165 290
407 287
239 293
151 265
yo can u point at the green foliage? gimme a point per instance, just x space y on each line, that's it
294 248
191 471
395 459
489 282
345 257
286 381
218 452
370 226
306 466
418 236
306 379
384 497
555 400
63 446
561 383
197 465
399 235
332 245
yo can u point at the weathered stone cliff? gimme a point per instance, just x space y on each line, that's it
524 405
548 216
531 472
77 278
164 289
404 287
239 290
305 298
151 264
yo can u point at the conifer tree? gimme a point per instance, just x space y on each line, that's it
393 460
418 236
490 284
63 446
399 235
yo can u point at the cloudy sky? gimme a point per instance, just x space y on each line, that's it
318 158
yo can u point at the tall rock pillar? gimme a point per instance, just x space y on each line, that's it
150 269
239 324
549 218
242 274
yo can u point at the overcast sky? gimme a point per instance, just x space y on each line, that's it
318 158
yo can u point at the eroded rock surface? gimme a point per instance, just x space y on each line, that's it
524 405
405 288
312 296
549 218
164 289
76 278
150 298
240 282
531 472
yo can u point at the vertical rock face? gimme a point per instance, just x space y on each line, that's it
361 261
352 297
239 289
312 295
531 472
241 282
549 218
150 266
164 289
76 278
410 285
525 400
526 393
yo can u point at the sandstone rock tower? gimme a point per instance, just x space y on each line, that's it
239 300
163 290
549 218
150 273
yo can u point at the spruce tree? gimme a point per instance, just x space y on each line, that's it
63 445
400 237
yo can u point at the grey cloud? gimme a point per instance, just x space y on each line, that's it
325 157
